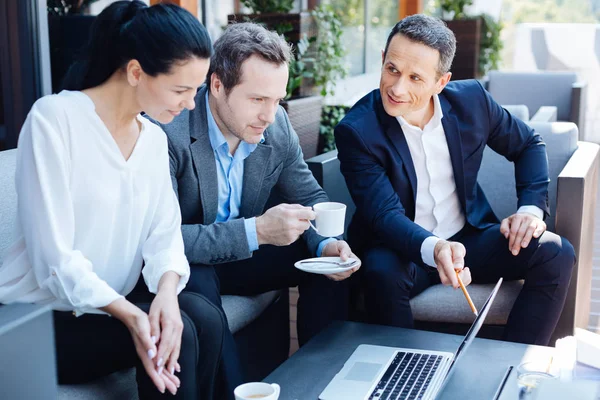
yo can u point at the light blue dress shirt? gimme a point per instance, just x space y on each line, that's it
230 178
230 174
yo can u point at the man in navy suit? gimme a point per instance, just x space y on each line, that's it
410 153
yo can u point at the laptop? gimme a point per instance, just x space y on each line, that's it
386 373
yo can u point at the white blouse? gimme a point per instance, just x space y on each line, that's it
89 219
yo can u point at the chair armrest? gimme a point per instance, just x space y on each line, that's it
322 164
326 170
520 111
575 208
28 369
578 105
545 114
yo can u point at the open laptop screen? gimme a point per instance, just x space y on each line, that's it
475 326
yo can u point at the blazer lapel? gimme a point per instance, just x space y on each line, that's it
254 171
204 159
452 132
396 135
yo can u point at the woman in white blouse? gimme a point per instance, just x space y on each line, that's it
97 209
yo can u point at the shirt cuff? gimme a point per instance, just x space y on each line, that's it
250 225
427 249
535 210
163 263
322 245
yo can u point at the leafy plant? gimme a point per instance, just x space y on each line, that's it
298 69
66 7
332 115
490 46
328 66
269 6
456 7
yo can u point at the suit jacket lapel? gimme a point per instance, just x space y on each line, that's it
254 171
452 132
204 159
396 135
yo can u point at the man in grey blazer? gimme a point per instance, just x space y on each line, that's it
229 156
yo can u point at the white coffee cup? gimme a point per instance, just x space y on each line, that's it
330 218
257 390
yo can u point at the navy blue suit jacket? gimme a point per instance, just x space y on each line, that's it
380 175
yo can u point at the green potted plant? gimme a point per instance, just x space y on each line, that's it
329 68
68 28
478 39
324 67
490 45
328 65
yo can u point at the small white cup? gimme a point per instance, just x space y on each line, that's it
330 219
257 390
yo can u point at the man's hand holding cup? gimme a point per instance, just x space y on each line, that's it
283 224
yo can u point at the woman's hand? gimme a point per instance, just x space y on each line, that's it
166 326
138 323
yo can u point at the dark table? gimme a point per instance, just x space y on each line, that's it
477 376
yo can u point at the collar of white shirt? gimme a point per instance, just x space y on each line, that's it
433 123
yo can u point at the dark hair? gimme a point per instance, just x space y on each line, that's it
430 31
238 43
157 37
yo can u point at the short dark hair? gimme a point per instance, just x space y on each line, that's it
241 41
157 37
430 31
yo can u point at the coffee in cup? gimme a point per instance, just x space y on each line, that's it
257 390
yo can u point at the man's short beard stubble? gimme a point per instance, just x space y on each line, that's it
225 121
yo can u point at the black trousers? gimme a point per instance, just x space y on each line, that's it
320 301
92 345
546 264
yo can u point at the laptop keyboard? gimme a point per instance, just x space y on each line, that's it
407 377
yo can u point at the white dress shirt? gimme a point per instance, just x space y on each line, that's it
437 207
88 218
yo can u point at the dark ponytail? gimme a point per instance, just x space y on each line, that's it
157 37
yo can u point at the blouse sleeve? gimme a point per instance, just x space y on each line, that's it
46 214
163 250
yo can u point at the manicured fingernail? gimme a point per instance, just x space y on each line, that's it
514 252
160 370
159 363
153 339
151 353
525 244
172 370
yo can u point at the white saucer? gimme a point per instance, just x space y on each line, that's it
324 268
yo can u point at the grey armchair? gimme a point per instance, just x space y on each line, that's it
572 192
536 89
543 114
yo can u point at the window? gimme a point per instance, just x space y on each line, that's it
367 24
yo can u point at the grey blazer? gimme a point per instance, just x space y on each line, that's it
275 163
